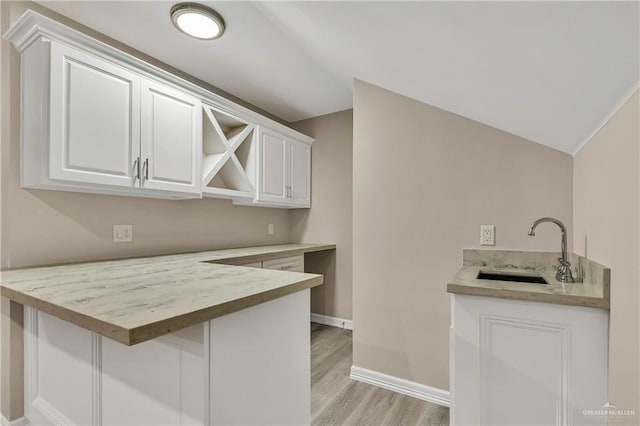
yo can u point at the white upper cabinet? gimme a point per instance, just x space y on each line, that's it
108 129
273 176
95 119
111 127
300 173
171 135
283 177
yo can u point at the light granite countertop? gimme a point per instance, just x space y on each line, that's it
590 290
134 300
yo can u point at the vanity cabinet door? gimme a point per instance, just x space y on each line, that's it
171 139
95 119
519 362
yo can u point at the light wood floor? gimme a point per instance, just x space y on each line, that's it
338 400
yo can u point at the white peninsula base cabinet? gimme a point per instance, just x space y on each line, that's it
517 362
248 367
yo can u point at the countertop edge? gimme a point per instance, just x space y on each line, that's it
103 328
556 299
158 329
169 325
231 260
242 259
132 335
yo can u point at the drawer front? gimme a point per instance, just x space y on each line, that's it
293 264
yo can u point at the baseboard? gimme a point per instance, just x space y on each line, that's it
22 421
405 387
332 321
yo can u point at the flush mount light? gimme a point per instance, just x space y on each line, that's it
197 20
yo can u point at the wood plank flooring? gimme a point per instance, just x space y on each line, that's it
337 400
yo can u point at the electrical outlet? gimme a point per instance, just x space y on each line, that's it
271 229
487 235
122 233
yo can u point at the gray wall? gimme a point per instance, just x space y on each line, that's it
606 205
424 182
330 219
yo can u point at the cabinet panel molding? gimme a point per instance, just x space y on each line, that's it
95 119
543 366
171 139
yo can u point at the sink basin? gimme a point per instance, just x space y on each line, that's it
504 276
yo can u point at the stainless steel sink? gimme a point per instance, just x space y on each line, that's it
505 276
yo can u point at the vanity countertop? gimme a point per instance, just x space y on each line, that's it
134 300
592 291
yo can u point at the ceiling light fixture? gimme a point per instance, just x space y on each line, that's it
197 21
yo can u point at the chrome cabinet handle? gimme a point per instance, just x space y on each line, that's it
136 167
146 169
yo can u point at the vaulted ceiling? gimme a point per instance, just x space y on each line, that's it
551 72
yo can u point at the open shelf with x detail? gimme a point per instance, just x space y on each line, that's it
228 155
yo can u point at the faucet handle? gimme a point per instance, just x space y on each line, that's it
563 272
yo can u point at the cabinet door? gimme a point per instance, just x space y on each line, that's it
520 362
95 119
171 135
272 173
300 173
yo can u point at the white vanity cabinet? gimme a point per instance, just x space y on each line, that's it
283 175
96 126
519 362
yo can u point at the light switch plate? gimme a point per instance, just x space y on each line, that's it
122 233
270 229
487 235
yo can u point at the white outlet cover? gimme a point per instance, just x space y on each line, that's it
487 235
122 233
271 229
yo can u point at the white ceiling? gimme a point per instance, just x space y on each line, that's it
551 72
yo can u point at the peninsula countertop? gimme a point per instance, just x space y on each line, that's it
138 299
592 290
